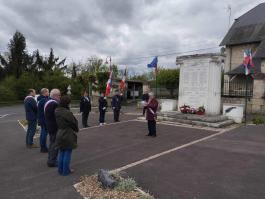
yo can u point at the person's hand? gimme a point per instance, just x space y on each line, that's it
113 108
104 108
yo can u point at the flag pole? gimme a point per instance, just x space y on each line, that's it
246 99
156 81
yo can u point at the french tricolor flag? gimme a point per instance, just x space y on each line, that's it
109 85
248 64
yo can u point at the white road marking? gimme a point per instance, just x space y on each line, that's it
2 116
109 124
171 150
25 129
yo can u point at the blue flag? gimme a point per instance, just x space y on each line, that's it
153 64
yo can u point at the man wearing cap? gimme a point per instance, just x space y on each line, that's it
116 105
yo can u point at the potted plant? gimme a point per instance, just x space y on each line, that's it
201 110
184 109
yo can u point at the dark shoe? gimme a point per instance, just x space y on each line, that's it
44 150
148 135
52 165
154 136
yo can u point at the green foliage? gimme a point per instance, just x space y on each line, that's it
6 94
126 185
169 78
258 120
102 78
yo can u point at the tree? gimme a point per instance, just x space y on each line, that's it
17 59
169 78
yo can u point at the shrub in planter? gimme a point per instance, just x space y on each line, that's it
201 110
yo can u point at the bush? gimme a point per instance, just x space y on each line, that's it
258 120
126 185
7 95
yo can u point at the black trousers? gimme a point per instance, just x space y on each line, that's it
102 116
84 119
151 127
53 151
116 114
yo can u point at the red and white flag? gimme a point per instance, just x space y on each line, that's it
123 81
248 64
109 84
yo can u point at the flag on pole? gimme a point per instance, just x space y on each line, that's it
153 64
122 83
109 84
248 64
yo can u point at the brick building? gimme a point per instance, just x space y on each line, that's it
248 31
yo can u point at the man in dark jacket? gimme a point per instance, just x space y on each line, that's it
41 100
151 108
102 106
49 112
85 108
116 105
31 116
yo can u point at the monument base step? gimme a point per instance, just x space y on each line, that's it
219 121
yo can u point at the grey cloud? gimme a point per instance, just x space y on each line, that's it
124 29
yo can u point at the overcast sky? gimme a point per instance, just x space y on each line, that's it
124 29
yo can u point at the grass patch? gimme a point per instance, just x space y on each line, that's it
259 120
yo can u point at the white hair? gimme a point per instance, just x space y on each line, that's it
44 90
55 92
151 94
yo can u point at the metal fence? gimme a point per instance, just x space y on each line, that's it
237 89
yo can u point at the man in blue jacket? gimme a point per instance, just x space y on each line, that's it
31 116
42 99
50 120
116 105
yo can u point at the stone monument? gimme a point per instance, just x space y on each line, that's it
200 81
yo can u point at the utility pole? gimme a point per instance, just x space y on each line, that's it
229 10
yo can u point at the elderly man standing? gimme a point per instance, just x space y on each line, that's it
151 108
49 112
31 116
42 99
116 105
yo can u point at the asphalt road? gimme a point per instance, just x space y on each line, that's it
230 165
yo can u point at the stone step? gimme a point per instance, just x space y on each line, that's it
193 117
219 124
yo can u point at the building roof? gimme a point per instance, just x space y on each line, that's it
248 28
260 52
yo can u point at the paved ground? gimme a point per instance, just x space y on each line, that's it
230 165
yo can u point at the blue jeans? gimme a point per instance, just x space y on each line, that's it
43 137
32 125
64 162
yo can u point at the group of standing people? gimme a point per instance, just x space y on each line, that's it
85 107
51 111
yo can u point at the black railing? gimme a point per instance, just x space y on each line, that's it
237 89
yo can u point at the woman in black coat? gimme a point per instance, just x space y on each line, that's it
66 138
